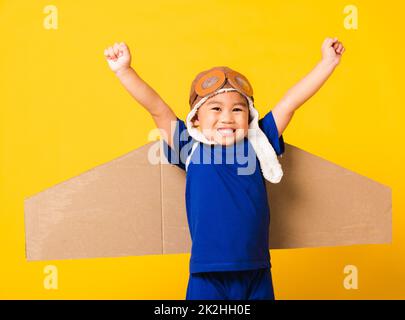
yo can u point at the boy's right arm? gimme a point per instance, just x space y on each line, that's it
119 60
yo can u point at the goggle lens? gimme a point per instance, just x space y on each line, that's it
242 83
209 82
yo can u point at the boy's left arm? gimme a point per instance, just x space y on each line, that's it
332 51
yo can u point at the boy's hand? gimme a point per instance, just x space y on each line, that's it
118 57
332 50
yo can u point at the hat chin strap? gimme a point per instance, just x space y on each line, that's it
266 155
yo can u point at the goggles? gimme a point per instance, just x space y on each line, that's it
216 79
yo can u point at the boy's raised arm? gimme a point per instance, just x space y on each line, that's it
332 51
119 60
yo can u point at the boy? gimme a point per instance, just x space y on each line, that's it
227 209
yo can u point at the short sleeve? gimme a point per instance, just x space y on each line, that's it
269 127
181 145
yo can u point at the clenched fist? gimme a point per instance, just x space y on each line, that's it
332 50
118 57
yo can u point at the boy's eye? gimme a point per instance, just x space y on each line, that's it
234 109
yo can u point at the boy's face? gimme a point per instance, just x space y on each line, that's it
224 118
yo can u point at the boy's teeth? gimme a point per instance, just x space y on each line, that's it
225 132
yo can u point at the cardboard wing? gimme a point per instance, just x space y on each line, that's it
129 207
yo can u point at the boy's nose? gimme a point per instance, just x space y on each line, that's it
226 117
226 121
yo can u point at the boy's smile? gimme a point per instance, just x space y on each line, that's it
224 118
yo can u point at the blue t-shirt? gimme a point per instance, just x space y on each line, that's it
226 200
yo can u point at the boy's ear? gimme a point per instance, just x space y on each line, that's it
195 121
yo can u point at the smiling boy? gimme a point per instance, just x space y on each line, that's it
227 209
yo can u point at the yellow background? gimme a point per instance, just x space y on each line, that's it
64 112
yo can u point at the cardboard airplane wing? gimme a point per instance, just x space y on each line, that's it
130 207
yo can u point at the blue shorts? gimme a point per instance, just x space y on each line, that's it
231 285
